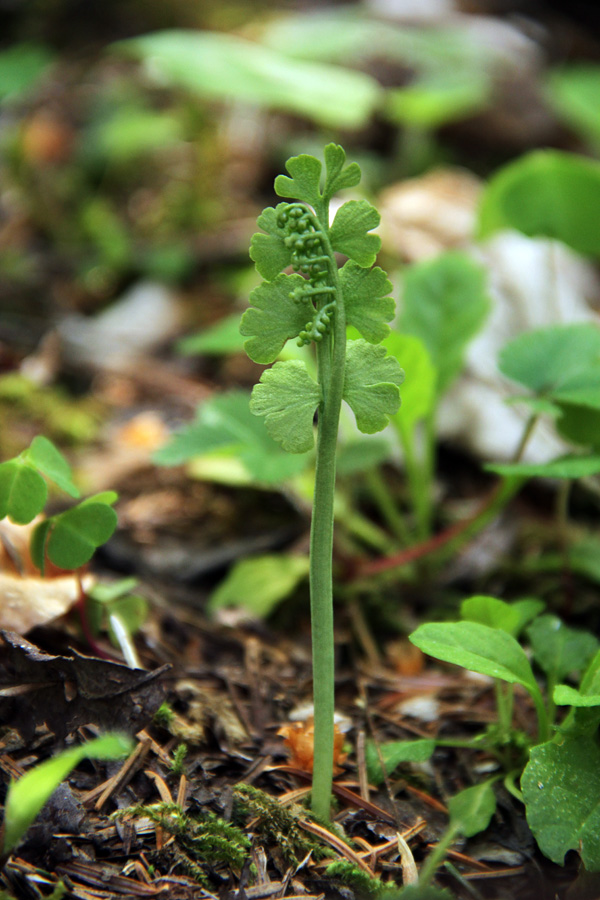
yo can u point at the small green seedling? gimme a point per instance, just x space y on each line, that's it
560 784
27 796
70 538
118 610
315 305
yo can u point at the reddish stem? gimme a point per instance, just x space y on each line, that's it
417 551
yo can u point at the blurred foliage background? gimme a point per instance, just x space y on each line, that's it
139 139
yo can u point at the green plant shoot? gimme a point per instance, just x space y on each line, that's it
315 305
27 796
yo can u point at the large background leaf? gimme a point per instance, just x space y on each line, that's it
546 193
225 67
444 303
561 789
225 425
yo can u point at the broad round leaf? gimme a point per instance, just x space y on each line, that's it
547 193
561 789
548 360
444 303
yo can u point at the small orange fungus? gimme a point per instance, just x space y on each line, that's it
299 738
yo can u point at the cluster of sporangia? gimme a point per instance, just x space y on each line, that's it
309 257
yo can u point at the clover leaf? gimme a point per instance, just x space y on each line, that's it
371 385
287 397
23 491
275 317
368 306
71 537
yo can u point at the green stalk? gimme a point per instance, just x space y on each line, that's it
321 552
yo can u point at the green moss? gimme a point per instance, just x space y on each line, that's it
362 884
278 824
200 843
178 759
164 716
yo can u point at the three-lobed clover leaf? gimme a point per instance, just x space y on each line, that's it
349 233
368 306
23 491
268 251
275 317
287 397
71 537
371 385
51 463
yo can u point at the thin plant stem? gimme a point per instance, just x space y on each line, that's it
390 512
321 551
435 858
460 532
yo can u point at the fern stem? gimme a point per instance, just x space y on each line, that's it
331 364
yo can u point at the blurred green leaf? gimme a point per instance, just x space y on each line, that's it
510 617
472 809
225 425
393 753
51 463
131 132
217 340
437 98
21 67
224 67
573 91
418 388
361 455
260 584
565 467
546 193
444 303
554 359
580 425
23 492
27 796
558 649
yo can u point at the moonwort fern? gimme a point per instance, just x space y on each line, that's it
315 305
